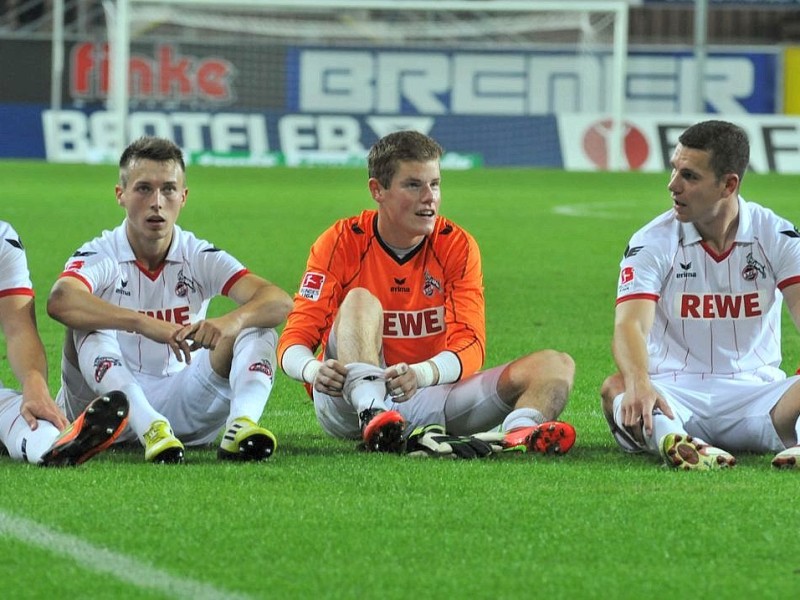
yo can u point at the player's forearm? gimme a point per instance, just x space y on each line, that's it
84 311
299 363
26 357
269 307
630 353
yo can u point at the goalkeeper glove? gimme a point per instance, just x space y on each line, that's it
432 440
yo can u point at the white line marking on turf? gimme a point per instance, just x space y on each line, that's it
594 210
101 560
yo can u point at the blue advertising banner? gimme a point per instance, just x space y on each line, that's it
502 83
271 138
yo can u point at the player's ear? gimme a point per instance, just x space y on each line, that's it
118 193
376 189
731 183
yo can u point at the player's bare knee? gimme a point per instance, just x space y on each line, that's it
612 387
555 365
362 301
547 369
785 415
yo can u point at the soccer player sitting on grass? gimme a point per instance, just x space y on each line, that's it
32 427
697 330
134 301
394 297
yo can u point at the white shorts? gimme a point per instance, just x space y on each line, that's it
464 407
731 414
196 400
10 404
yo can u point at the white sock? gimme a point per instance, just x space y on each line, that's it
23 443
252 373
522 417
797 432
140 413
20 440
662 425
365 387
249 401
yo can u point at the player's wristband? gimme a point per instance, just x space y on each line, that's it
310 370
426 376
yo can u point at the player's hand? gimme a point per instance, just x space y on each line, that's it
401 382
330 378
40 406
165 333
638 408
433 441
205 333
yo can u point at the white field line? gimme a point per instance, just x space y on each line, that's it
594 210
100 560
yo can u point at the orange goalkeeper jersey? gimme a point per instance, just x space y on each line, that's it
432 298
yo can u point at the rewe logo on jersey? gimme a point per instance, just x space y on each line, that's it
413 323
179 314
719 306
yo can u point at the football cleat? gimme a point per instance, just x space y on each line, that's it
160 444
382 430
681 451
551 437
245 440
787 459
93 431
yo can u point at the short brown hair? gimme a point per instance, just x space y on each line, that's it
149 148
393 148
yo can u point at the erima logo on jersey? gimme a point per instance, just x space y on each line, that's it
719 306
15 243
686 271
792 233
400 287
311 288
121 288
413 323
631 251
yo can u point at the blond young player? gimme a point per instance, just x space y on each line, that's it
32 427
134 301
698 318
393 301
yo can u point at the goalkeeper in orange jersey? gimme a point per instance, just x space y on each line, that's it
393 299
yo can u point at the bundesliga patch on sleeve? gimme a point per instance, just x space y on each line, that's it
311 288
625 279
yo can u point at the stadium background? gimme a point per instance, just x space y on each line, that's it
227 98
322 521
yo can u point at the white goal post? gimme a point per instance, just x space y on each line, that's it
121 14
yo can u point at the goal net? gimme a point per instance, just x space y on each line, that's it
318 81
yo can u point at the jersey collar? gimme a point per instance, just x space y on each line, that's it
744 233
125 252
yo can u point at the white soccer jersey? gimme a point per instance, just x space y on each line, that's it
716 315
179 291
15 279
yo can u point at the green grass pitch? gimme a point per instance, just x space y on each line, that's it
320 520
